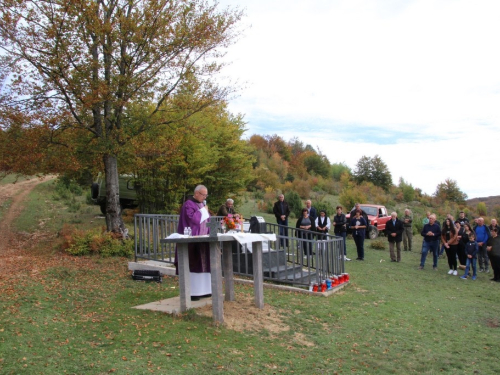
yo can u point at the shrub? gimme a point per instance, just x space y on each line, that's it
481 209
349 197
77 242
294 202
324 205
378 244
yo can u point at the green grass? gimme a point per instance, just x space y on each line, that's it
46 210
76 317
10 178
4 206
393 318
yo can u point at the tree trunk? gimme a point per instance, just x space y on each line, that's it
114 221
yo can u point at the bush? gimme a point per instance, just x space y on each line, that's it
378 244
324 205
294 202
77 242
349 197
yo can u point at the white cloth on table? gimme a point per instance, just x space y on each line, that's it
244 238
248 238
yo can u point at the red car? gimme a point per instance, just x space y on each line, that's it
377 217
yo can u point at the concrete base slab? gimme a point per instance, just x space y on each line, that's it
172 305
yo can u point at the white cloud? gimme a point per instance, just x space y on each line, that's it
429 67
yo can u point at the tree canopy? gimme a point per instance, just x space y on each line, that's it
449 191
80 64
373 170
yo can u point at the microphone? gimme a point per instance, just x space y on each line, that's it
204 202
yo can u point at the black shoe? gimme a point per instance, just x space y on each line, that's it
493 279
195 298
392 260
206 296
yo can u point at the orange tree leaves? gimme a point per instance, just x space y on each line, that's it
90 60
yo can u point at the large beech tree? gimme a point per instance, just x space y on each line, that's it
83 62
373 170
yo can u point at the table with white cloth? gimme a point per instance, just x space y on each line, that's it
217 268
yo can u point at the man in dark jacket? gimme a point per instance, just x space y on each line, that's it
394 230
432 235
311 210
494 254
227 208
281 212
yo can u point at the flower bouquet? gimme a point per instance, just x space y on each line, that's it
232 222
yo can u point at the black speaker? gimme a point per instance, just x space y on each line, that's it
147 275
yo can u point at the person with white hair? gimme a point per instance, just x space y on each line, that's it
432 235
394 230
227 208
194 214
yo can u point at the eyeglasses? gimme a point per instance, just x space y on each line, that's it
203 195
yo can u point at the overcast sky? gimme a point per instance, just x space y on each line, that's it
416 82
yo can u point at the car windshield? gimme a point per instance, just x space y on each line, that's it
372 211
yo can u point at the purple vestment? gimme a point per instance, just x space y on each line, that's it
199 253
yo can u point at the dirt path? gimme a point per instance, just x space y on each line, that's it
12 244
17 193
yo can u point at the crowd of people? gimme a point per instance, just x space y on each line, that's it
465 244
310 224
468 245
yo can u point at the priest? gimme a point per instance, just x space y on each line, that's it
194 214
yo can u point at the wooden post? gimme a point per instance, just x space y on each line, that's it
227 264
184 277
215 267
258 277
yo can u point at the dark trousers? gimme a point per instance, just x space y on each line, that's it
306 245
343 235
495 264
482 257
322 234
360 241
451 254
462 257
283 232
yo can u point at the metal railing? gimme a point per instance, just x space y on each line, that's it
297 256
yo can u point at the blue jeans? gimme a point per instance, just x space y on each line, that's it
283 232
343 235
359 241
474 268
430 246
441 250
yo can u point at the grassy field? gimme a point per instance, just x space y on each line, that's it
76 317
